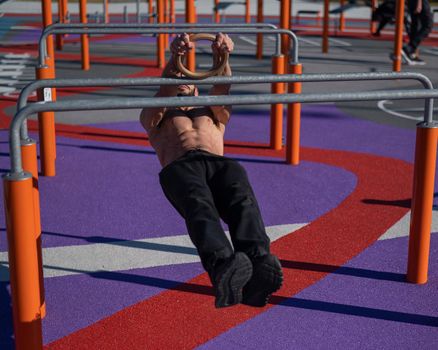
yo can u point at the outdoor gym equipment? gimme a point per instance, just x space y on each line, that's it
281 64
20 197
218 67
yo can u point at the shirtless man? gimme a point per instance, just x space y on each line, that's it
204 186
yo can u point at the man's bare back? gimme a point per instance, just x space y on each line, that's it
173 132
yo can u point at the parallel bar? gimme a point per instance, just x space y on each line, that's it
151 31
132 103
248 79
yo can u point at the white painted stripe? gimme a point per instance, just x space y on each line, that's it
248 40
310 42
381 105
125 255
340 42
401 227
432 51
24 28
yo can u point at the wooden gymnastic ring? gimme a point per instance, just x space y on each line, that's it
215 70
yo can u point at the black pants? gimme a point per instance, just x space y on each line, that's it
421 24
204 188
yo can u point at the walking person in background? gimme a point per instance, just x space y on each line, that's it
421 25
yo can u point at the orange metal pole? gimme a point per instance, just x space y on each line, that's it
248 11
341 16
172 11
373 8
106 12
85 51
150 11
23 261
30 164
285 24
217 17
259 52
422 200
160 38
46 127
325 29
166 20
59 37
46 8
293 120
398 38
191 18
277 109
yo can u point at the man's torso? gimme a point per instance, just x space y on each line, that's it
182 130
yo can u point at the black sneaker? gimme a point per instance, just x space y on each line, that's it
407 56
266 279
417 61
229 278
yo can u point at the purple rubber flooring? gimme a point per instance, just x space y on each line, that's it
107 192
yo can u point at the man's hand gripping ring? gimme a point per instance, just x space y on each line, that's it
217 69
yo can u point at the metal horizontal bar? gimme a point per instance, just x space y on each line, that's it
247 79
157 25
115 30
133 103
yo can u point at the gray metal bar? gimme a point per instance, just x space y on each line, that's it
132 103
249 79
49 28
54 26
169 30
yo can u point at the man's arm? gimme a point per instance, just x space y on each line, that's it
223 43
151 117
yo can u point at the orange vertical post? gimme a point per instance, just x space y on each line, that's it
325 29
59 37
46 8
248 11
85 51
276 134
30 164
341 16
172 11
106 11
217 17
191 18
422 200
398 37
160 38
23 261
166 20
293 120
259 52
285 24
373 8
150 11
46 127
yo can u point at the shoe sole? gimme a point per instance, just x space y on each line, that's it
229 288
261 297
404 57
